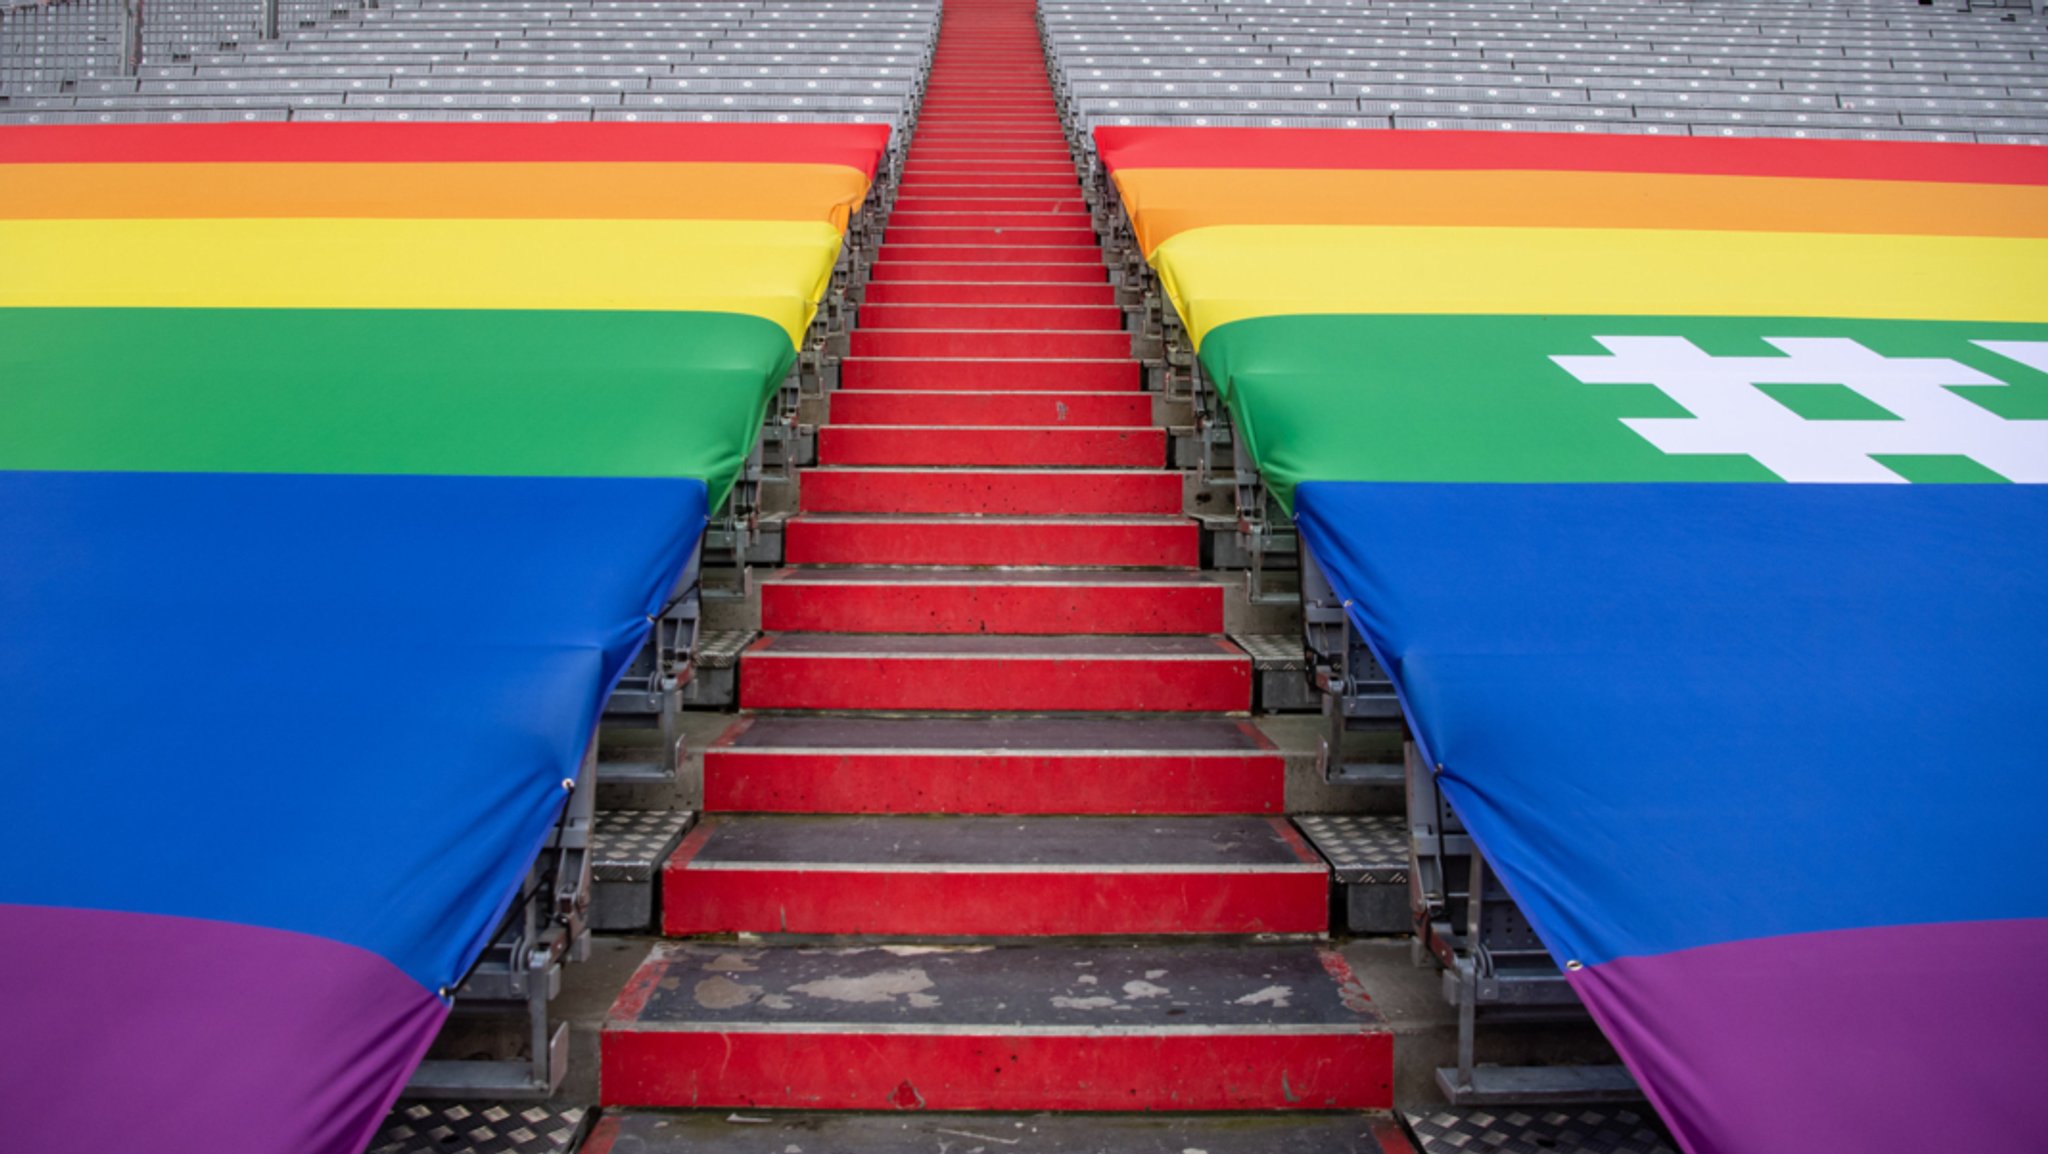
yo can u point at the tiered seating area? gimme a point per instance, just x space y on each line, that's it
1373 324
863 479
1880 70
611 60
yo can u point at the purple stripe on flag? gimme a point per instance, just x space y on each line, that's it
1886 1038
180 1036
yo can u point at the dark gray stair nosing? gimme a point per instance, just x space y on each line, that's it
982 843
799 734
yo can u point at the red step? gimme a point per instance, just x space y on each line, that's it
986 293
742 1026
1018 674
830 764
973 875
901 267
997 446
978 170
1056 603
1037 318
954 374
1016 233
999 492
977 196
854 407
910 269
993 153
946 343
1007 184
1087 255
1119 542
942 218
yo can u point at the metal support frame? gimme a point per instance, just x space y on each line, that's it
521 970
649 693
1492 961
1358 697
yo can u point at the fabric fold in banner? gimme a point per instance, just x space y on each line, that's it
330 528
1702 721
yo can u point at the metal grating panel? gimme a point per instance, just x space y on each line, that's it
629 845
1273 651
1579 1130
1363 849
720 648
478 1128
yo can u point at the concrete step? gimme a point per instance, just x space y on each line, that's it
966 445
972 875
713 1132
1025 231
1086 674
1053 602
1001 492
955 196
1232 1027
922 343
1008 182
995 317
906 265
991 254
1008 375
957 293
997 765
1032 202
989 168
1106 542
929 407
956 217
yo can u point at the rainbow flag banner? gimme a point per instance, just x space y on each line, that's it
341 468
1691 493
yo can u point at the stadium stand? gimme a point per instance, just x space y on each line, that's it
801 125
1246 205
992 855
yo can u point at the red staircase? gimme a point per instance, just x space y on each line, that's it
991 535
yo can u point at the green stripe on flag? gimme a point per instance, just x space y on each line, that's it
1479 398
591 394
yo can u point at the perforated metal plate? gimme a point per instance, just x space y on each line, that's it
720 648
1282 651
478 1128
1363 849
629 845
1577 1130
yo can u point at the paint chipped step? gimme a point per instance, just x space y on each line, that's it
1194 1027
979 875
721 1132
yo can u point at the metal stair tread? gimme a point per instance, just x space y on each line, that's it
979 842
630 845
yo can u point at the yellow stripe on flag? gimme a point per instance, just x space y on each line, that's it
1219 275
776 270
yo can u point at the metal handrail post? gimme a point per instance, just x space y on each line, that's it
131 37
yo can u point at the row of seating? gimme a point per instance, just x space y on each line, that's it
855 62
1893 71
1890 72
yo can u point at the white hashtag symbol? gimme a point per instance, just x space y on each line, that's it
1730 414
